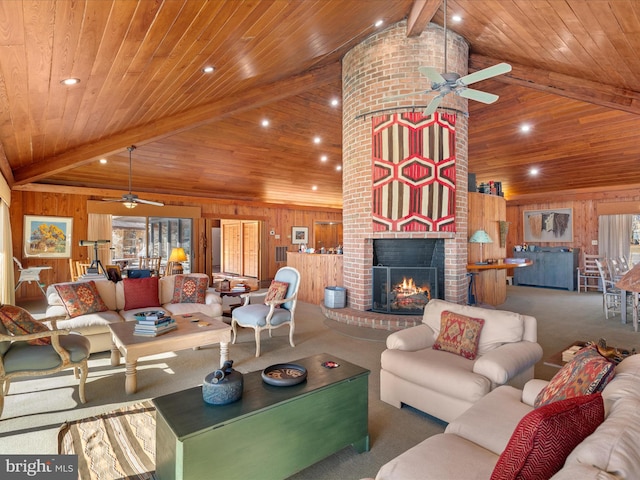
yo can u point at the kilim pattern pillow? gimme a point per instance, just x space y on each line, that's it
18 321
190 289
277 291
140 293
545 437
81 298
588 372
459 334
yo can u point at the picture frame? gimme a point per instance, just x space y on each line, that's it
551 225
47 237
113 273
299 235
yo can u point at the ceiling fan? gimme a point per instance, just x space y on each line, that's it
131 200
451 82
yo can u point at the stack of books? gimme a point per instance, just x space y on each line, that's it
154 323
240 287
569 353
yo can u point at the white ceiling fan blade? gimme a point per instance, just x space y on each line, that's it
477 95
488 72
433 105
404 95
432 74
149 202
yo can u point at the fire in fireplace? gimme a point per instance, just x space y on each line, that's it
403 290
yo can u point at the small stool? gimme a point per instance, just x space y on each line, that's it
509 280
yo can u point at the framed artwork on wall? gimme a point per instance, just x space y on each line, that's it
47 237
299 235
554 225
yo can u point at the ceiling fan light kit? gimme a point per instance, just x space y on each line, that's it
131 200
451 82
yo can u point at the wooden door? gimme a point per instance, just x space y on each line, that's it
250 249
232 248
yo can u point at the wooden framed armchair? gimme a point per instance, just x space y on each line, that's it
276 311
20 358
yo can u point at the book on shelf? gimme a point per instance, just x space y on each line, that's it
154 333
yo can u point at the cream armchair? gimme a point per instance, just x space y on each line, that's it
444 384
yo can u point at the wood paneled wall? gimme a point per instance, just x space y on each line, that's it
280 219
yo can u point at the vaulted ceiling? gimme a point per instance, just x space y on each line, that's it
575 81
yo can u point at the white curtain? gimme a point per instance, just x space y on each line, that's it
614 236
99 228
7 278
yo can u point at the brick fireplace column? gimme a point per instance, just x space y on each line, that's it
386 64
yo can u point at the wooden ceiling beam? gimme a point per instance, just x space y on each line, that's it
563 85
422 11
165 127
5 168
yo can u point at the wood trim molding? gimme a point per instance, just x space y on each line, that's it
142 210
618 208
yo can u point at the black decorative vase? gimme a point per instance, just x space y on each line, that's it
222 386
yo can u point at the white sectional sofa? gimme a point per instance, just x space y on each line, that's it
95 326
444 384
471 444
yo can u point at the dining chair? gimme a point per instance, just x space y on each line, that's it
151 263
278 309
588 275
616 272
611 296
73 272
81 268
29 348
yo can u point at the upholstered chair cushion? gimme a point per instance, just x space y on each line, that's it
81 298
141 293
188 289
256 314
17 321
546 436
22 357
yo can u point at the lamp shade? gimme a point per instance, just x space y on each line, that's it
480 236
178 255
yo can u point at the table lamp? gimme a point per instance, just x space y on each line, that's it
177 256
480 236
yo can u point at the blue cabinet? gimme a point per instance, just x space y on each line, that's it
553 267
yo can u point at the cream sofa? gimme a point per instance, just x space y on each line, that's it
471 444
95 326
444 384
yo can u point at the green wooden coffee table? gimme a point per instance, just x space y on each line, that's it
271 432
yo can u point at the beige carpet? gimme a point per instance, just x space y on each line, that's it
36 408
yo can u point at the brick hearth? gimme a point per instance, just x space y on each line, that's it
380 321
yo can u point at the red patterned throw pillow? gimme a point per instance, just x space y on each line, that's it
18 321
588 372
277 291
81 298
545 437
189 289
459 334
140 293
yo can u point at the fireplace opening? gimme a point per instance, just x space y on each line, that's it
407 274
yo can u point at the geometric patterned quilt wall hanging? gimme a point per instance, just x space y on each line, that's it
414 172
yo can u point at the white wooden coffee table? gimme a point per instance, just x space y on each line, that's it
189 334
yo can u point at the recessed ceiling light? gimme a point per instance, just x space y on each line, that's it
265 123
314 188
378 23
456 18
335 102
70 81
533 171
323 158
339 167
317 140
208 69
525 128
103 161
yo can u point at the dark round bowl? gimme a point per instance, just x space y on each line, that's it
284 374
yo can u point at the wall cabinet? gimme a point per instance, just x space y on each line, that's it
552 268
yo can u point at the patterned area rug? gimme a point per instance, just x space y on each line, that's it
119 444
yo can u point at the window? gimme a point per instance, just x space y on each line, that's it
134 237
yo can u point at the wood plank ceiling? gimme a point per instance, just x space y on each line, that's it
575 81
